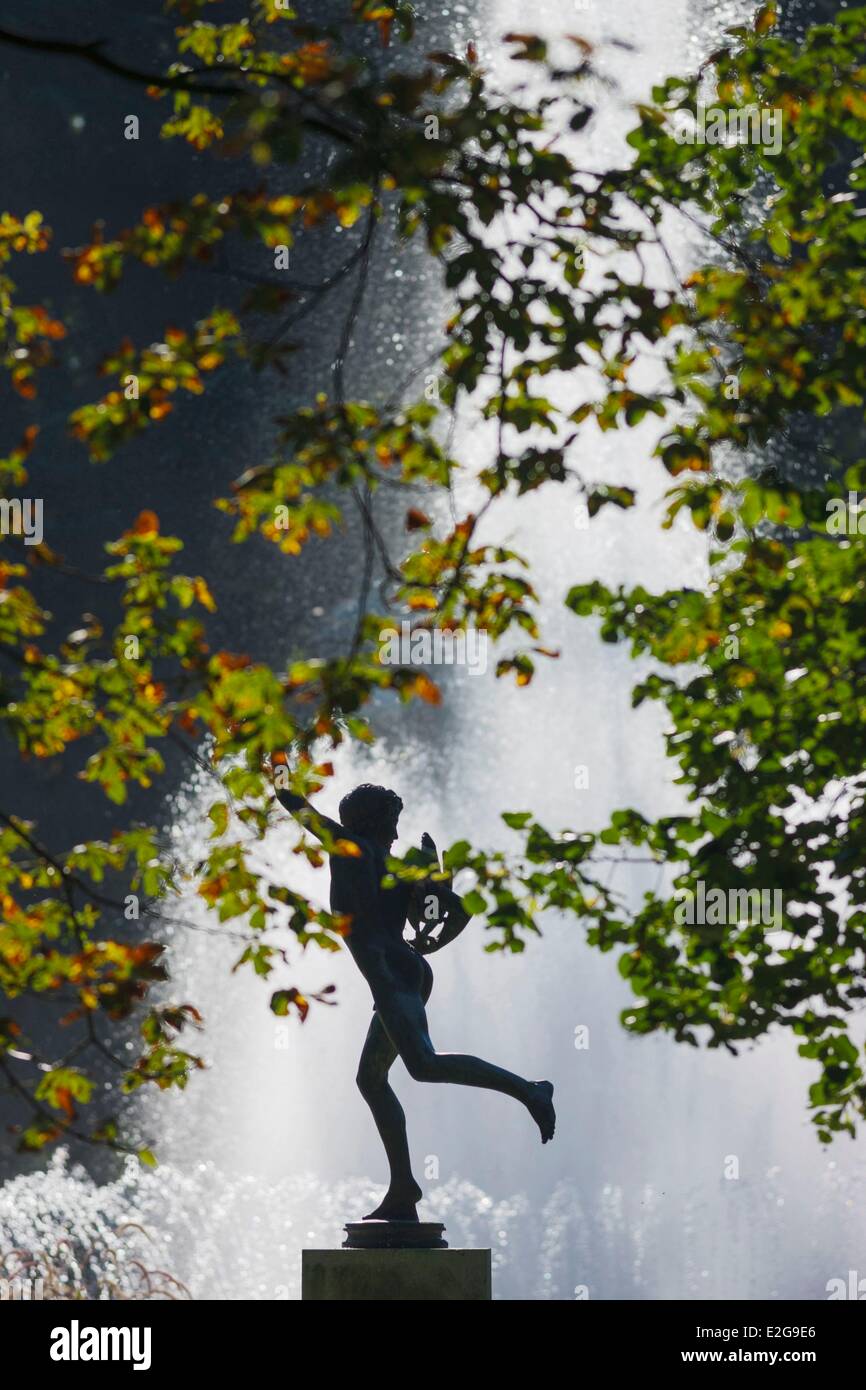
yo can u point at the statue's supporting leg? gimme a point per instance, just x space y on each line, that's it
377 1058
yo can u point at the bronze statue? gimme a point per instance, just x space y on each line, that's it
400 977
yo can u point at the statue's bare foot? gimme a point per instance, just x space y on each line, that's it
397 1205
540 1107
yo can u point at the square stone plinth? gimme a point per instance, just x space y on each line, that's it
396 1275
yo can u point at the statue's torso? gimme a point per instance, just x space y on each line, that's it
378 915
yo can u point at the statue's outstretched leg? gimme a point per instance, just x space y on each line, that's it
405 1020
377 1058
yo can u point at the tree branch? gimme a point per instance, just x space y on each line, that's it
185 82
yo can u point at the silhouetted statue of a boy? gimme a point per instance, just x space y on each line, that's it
400 978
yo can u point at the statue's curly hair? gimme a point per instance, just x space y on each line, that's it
367 808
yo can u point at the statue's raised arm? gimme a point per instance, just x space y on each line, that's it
303 810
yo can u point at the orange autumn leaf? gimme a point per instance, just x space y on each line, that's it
146 952
232 661
153 692
23 384
145 524
203 594
313 61
428 691
64 1101
51 328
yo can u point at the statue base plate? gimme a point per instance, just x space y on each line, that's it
394 1235
382 1274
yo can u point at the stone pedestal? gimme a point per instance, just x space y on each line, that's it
384 1274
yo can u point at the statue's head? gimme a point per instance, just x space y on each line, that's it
372 812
